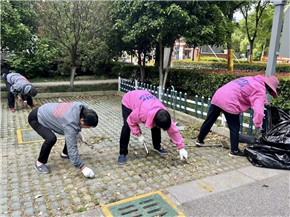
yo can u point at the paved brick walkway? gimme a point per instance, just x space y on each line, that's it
24 192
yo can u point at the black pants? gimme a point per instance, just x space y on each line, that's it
11 97
233 124
46 134
125 133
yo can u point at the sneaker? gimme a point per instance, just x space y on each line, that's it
12 109
33 105
42 168
237 153
122 159
64 157
160 151
200 144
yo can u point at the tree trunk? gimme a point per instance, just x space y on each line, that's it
143 69
263 50
72 77
167 68
160 64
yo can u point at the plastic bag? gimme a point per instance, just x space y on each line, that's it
268 156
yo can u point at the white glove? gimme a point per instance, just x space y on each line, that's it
89 173
183 153
81 136
141 139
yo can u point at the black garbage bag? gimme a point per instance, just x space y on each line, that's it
268 156
273 149
277 131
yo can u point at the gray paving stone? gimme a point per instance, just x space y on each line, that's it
65 186
16 213
30 211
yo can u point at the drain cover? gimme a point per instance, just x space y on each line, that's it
152 204
30 136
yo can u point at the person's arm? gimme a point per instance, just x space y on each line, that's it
133 122
175 136
71 145
258 101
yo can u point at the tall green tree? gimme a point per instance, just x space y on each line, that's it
145 25
75 27
252 20
17 26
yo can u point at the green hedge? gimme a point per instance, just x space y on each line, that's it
200 82
214 59
258 67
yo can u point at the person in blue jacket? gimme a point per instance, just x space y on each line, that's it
66 119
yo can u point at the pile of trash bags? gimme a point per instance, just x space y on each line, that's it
272 150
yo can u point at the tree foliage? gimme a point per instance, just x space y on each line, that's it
17 25
76 28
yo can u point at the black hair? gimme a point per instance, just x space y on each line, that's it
162 119
90 117
32 91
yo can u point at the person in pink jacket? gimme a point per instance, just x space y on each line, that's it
235 98
140 106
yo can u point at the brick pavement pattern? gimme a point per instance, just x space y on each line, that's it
24 192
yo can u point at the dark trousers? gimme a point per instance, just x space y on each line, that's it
46 134
233 124
11 97
125 133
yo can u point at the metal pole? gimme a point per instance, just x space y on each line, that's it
214 53
275 38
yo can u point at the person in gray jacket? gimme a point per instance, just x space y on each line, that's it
18 85
66 119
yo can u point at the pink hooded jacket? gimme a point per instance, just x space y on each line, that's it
144 107
241 94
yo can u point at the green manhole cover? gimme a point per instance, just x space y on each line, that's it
152 205
29 135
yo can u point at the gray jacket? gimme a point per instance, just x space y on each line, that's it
19 84
64 118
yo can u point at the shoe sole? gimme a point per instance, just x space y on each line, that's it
121 163
233 155
40 172
159 152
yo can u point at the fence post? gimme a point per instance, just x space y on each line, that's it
223 120
180 95
150 88
171 98
167 97
202 107
196 105
208 104
175 100
250 130
158 88
241 122
185 103
119 83
163 91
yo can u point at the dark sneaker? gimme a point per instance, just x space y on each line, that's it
160 151
42 168
200 144
237 153
64 157
122 159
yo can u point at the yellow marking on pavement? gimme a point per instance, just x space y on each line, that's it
107 213
205 186
20 140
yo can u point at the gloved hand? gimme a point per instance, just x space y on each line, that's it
81 136
258 132
183 153
89 173
141 139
